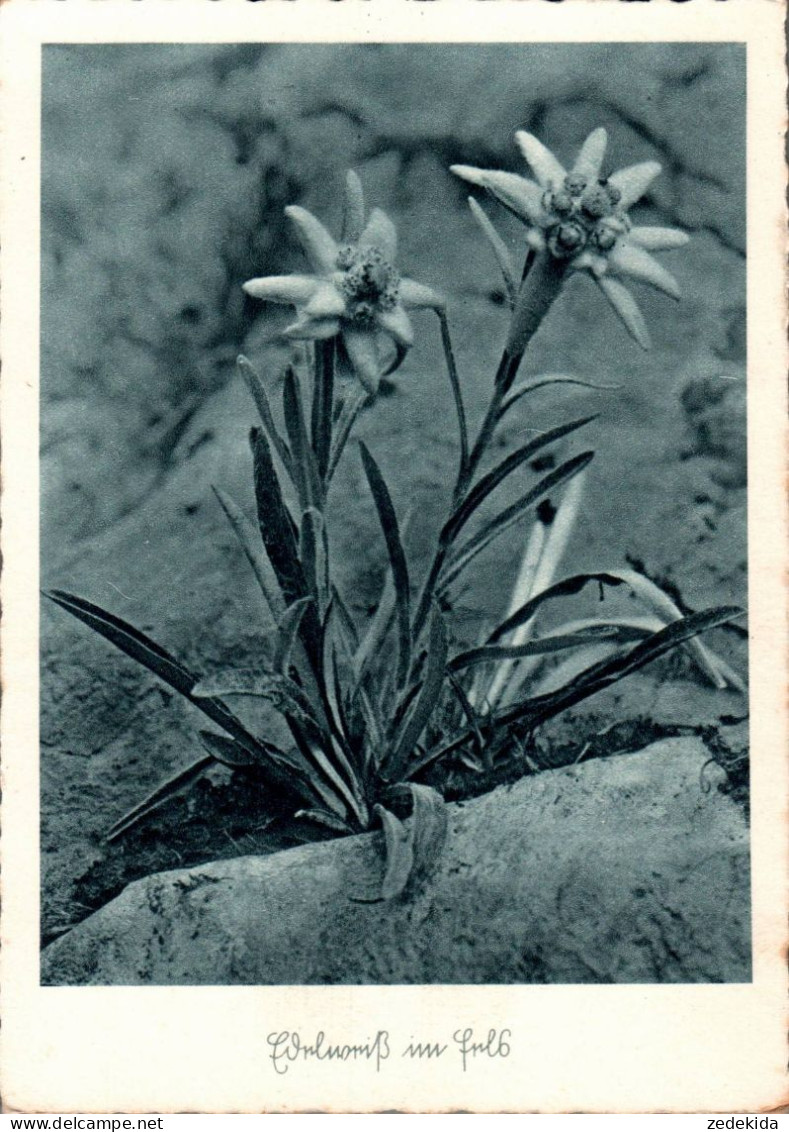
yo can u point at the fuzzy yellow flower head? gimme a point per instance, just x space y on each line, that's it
581 218
355 293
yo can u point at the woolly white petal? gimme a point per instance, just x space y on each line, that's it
626 259
380 233
318 244
362 350
657 239
590 158
590 261
534 238
294 289
327 302
543 164
634 181
627 308
397 325
416 296
519 195
312 329
353 208
470 173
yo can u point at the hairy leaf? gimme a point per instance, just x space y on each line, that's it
397 560
500 250
544 382
276 525
169 789
457 394
248 539
356 400
305 469
609 671
153 657
314 554
428 829
399 858
491 481
426 703
567 587
511 515
323 404
552 642
280 691
287 632
257 389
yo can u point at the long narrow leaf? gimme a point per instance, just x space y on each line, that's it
397 560
248 539
276 526
426 703
153 657
169 789
660 603
313 553
538 709
503 521
226 751
305 469
468 711
491 481
552 642
257 390
356 400
287 631
500 250
377 630
457 394
399 854
567 587
281 692
322 404
608 671
543 383
350 634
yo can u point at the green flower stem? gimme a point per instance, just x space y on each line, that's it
323 403
538 291
542 280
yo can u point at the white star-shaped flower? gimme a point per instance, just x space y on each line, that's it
355 292
581 218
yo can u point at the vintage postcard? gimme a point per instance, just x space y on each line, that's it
394 539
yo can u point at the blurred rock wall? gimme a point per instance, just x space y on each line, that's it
166 168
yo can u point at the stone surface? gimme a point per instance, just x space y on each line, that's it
632 869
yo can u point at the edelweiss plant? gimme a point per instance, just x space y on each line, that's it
373 710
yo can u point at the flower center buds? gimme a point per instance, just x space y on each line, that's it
596 202
369 283
565 240
562 203
604 238
574 184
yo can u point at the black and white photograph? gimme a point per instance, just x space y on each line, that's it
394 483
394 436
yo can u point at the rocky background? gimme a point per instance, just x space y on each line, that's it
165 172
